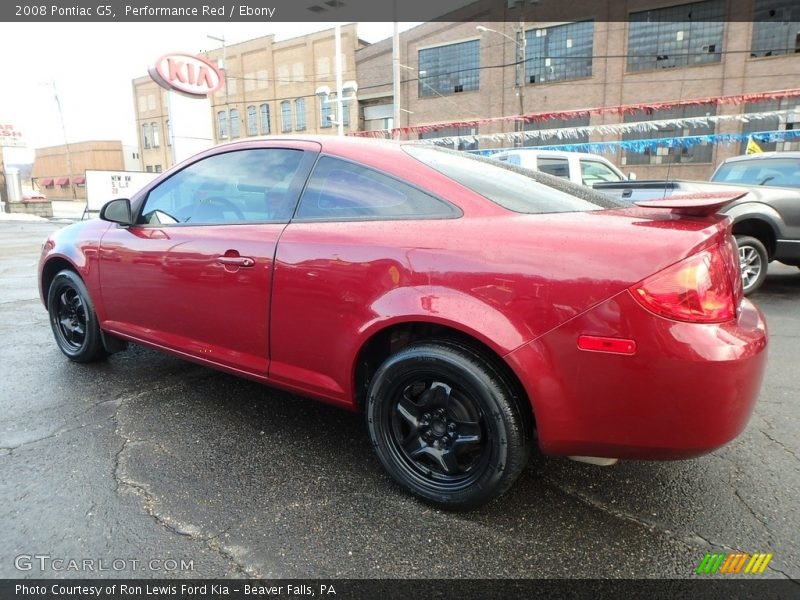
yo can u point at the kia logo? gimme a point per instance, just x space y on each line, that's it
188 74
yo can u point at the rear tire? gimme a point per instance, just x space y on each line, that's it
446 425
753 261
73 319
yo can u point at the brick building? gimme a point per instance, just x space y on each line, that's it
585 54
271 88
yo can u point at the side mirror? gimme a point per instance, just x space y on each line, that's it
117 211
631 176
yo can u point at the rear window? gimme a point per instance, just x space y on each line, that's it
780 172
514 188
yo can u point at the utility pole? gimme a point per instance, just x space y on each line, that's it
339 105
66 143
396 75
521 46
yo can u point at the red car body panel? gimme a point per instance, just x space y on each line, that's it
526 286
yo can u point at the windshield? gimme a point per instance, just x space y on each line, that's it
779 171
512 187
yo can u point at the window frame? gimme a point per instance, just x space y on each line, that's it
307 162
457 212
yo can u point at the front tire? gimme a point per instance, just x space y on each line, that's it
446 425
753 261
73 319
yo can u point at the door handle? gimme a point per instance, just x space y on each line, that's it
236 261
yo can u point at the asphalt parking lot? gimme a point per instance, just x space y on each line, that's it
146 457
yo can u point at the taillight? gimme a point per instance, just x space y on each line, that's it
699 289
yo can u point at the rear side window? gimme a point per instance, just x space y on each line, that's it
513 188
342 190
558 167
512 159
781 172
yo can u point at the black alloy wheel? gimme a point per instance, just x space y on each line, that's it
446 425
73 319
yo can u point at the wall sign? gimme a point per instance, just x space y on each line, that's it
186 73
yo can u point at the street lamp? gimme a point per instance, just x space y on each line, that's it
520 71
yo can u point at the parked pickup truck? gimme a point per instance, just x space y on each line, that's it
578 167
766 220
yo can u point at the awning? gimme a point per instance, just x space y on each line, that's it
47 181
79 180
62 181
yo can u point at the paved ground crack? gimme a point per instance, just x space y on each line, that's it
149 503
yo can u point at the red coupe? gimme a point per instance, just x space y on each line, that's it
470 309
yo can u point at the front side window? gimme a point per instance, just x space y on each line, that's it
776 28
341 190
593 171
515 189
449 69
560 52
236 187
677 36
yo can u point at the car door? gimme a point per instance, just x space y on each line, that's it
346 248
194 273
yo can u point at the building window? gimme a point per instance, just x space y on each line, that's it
772 123
145 135
169 133
700 153
676 36
263 79
234 116
252 121
557 53
265 128
230 84
333 106
222 124
449 69
552 139
249 82
157 169
297 72
286 116
325 112
300 114
444 136
776 28
149 168
155 136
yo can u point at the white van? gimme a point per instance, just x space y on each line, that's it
578 167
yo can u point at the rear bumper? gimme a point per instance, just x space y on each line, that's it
687 390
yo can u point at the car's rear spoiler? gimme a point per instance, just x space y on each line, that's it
698 204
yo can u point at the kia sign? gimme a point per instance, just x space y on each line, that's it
188 74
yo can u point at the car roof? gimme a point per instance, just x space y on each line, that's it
535 152
763 156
